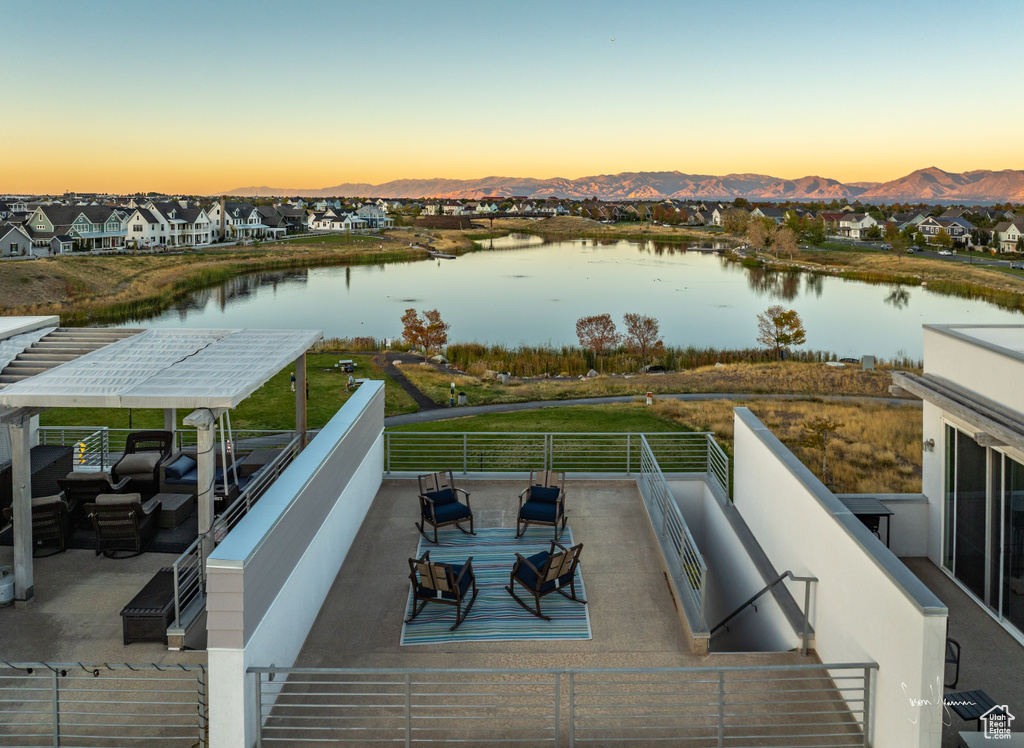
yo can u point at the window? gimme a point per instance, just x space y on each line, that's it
137 229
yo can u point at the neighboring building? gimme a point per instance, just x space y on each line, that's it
188 225
856 225
1008 233
375 216
14 241
236 220
91 227
973 462
958 228
774 214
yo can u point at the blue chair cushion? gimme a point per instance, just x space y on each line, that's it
448 512
445 496
180 467
542 493
540 511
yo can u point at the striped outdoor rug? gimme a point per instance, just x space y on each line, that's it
495 616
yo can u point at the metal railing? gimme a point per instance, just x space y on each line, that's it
75 704
806 705
99 447
190 567
504 452
684 559
805 630
91 445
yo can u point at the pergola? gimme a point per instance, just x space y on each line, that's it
207 371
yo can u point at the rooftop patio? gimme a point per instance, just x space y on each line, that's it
634 616
74 616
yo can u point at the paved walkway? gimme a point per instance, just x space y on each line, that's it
441 413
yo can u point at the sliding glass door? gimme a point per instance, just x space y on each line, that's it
983 519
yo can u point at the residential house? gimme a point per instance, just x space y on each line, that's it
775 214
856 225
188 225
145 229
14 241
93 227
375 216
958 228
1008 233
236 220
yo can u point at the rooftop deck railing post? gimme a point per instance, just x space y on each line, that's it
258 696
629 445
177 596
56 708
807 615
104 447
465 453
865 727
721 708
387 452
558 697
408 710
572 709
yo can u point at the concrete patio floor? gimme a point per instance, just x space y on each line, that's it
75 614
633 614
991 660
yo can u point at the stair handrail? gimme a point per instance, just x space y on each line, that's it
804 635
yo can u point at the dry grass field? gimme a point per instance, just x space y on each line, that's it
776 377
877 447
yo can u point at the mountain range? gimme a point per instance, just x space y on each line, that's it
924 185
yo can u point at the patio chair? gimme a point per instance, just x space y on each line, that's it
448 584
544 573
953 658
81 488
144 453
124 526
543 503
440 505
52 524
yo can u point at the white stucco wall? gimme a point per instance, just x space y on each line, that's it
866 605
978 365
280 634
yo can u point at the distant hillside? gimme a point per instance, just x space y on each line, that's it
930 185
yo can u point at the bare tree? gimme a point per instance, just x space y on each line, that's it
734 221
597 333
817 433
779 328
758 232
642 335
785 241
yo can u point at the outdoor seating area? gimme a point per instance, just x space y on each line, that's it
542 502
641 629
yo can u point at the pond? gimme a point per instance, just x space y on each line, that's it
525 290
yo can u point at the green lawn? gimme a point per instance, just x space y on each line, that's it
270 407
614 418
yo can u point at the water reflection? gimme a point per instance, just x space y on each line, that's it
534 294
898 297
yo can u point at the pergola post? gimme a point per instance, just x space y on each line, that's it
21 504
171 423
300 400
204 420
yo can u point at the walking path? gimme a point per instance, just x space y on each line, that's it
441 413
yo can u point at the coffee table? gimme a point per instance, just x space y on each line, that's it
174 508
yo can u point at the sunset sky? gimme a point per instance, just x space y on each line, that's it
202 97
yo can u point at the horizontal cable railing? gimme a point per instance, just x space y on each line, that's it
190 567
718 462
90 445
75 704
684 559
503 452
789 705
